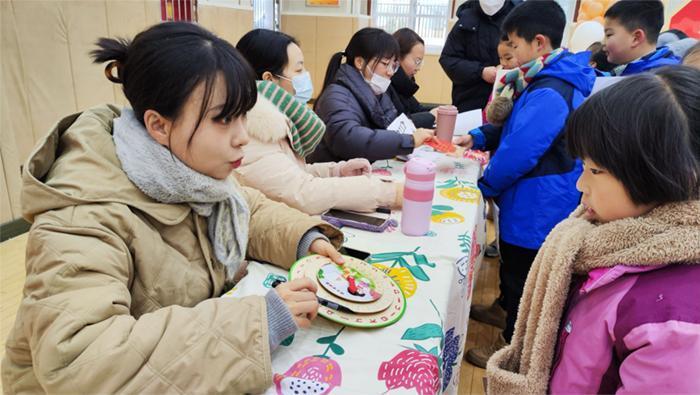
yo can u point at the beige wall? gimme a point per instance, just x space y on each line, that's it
320 37
435 87
228 23
299 6
46 74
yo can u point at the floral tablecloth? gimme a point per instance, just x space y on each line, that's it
422 352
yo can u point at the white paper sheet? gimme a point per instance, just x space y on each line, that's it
402 124
467 121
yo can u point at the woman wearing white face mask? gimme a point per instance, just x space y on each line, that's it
354 104
284 131
469 56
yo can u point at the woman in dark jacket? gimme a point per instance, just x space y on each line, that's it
403 83
469 56
354 104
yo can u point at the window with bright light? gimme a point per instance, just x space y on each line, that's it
428 18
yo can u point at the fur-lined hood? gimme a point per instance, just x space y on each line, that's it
266 123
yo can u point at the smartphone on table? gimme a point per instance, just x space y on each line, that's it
376 221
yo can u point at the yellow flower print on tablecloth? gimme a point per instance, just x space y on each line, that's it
460 191
445 215
462 194
402 277
401 270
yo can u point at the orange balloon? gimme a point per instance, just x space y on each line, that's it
582 16
592 8
584 6
600 20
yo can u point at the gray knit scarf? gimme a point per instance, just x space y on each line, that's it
164 178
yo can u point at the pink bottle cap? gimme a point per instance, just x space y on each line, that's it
447 110
420 169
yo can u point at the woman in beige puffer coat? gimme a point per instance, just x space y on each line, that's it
138 229
284 131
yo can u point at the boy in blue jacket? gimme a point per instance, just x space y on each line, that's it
531 175
631 30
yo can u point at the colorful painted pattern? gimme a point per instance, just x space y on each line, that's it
421 352
317 374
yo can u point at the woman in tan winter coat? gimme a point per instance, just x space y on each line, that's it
284 131
138 228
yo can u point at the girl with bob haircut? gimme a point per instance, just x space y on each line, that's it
612 299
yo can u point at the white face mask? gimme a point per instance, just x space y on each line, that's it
379 84
491 7
303 87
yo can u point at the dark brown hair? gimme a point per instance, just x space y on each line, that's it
644 130
163 65
407 39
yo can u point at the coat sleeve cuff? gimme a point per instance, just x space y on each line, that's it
479 138
486 190
335 170
280 322
306 240
407 142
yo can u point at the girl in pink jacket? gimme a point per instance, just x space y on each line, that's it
612 302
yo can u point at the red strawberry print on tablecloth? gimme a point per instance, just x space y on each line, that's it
426 371
309 376
314 375
411 369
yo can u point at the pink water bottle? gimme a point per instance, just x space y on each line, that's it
418 194
446 119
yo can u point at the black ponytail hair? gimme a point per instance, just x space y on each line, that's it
368 43
266 50
164 64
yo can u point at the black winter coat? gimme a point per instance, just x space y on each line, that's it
401 92
356 120
471 46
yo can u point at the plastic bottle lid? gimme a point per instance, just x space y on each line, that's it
447 110
420 169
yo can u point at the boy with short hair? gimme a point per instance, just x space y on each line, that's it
531 175
631 30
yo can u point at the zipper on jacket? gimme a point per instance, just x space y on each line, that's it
572 300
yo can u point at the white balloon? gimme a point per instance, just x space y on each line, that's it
586 33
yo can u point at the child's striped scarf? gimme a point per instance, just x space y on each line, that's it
512 84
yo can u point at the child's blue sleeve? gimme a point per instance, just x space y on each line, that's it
486 137
478 137
534 128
